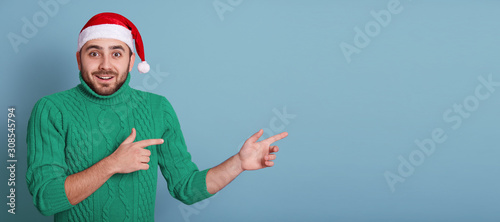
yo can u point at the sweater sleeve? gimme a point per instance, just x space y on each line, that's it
185 182
47 167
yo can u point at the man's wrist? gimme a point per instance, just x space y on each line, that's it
108 166
237 163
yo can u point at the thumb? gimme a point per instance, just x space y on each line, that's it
256 136
130 138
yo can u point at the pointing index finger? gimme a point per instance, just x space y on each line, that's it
149 142
276 137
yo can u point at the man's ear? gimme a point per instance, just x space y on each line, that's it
131 64
78 61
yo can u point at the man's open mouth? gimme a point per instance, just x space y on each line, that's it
105 77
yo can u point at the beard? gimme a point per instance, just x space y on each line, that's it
105 89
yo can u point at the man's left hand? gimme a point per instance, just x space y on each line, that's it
257 155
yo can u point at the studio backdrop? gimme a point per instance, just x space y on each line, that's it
392 106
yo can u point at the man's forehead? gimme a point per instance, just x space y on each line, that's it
105 43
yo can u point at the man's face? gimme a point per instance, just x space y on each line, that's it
104 64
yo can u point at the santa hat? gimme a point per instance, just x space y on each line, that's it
114 26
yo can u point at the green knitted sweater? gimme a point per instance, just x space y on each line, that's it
70 131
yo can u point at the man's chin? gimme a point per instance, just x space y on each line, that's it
105 91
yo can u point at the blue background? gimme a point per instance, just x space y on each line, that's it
349 123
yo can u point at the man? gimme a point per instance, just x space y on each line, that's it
93 150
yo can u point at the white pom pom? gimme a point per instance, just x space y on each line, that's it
143 67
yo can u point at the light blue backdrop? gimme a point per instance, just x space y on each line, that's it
357 84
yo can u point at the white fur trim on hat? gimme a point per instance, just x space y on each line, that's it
143 67
106 31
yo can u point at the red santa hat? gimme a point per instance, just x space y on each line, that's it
114 26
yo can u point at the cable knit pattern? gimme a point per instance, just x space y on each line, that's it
146 179
72 130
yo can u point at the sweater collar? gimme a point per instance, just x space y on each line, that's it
122 94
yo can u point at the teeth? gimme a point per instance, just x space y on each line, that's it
109 77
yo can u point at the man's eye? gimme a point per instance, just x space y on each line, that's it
117 54
93 54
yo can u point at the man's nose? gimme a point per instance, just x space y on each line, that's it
105 63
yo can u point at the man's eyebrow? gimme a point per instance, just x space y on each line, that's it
100 48
117 47
93 47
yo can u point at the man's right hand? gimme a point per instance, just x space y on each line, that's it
131 156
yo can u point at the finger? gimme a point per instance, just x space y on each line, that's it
145 159
273 149
130 138
144 166
270 157
269 163
145 152
276 137
149 142
256 136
